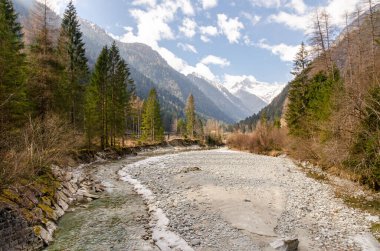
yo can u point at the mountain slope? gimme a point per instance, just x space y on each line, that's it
226 101
152 65
267 92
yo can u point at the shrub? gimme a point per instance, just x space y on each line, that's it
40 143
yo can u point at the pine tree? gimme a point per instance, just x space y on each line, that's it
45 67
190 116
96 100
301 61
151 125
72 56
13 102
120 92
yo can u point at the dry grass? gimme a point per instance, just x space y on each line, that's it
29 151
263 140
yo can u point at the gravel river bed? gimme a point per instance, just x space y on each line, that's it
211 200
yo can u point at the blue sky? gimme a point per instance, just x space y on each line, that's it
222 40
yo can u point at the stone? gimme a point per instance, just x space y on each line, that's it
85 193
195 242
285 244
43 234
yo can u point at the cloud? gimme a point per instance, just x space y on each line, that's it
58 6
266 3
254 19
284 51
230 27
150 3
298 5
292 21
211 59
202 70
302 19
208 31
208 4
187 47
188 27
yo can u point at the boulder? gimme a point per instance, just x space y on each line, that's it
287 244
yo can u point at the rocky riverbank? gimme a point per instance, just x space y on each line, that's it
30 210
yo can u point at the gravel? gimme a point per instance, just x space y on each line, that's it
227 200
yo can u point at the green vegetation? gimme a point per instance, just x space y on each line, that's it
151 119
365 158
190 116
50 104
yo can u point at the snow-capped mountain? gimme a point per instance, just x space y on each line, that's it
267 92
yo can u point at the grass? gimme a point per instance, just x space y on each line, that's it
370 206
317 176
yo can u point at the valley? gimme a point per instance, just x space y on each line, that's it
212 200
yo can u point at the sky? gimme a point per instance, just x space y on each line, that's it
222 40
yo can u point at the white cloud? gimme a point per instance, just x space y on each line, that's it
188 27
254 19
293 21
230 27
58 6
266 3
208 4
303 18
208 31
284 51
150 3
298 5
202 70
187 47
211 59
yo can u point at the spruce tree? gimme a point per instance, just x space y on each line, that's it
13 102
151 120
45 67
72 54
96 100
190 116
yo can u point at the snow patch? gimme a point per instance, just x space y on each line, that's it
165 239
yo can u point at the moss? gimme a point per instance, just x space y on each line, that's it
49 212
12 195
37 230
46 200
28 215
370 206
7 202
375 229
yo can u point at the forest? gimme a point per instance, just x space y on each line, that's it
329 114
53 106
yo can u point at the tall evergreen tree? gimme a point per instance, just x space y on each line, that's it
96 100
72 55
190 116
45 67
108 98
151 120
13 102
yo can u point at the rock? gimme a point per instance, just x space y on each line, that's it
43 234
285 245
70 187
191 169
195 242
85 193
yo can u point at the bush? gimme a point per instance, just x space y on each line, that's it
263 140
29 150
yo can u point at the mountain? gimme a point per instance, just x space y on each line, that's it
226 101
274 110
267 92
145 60
149 70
